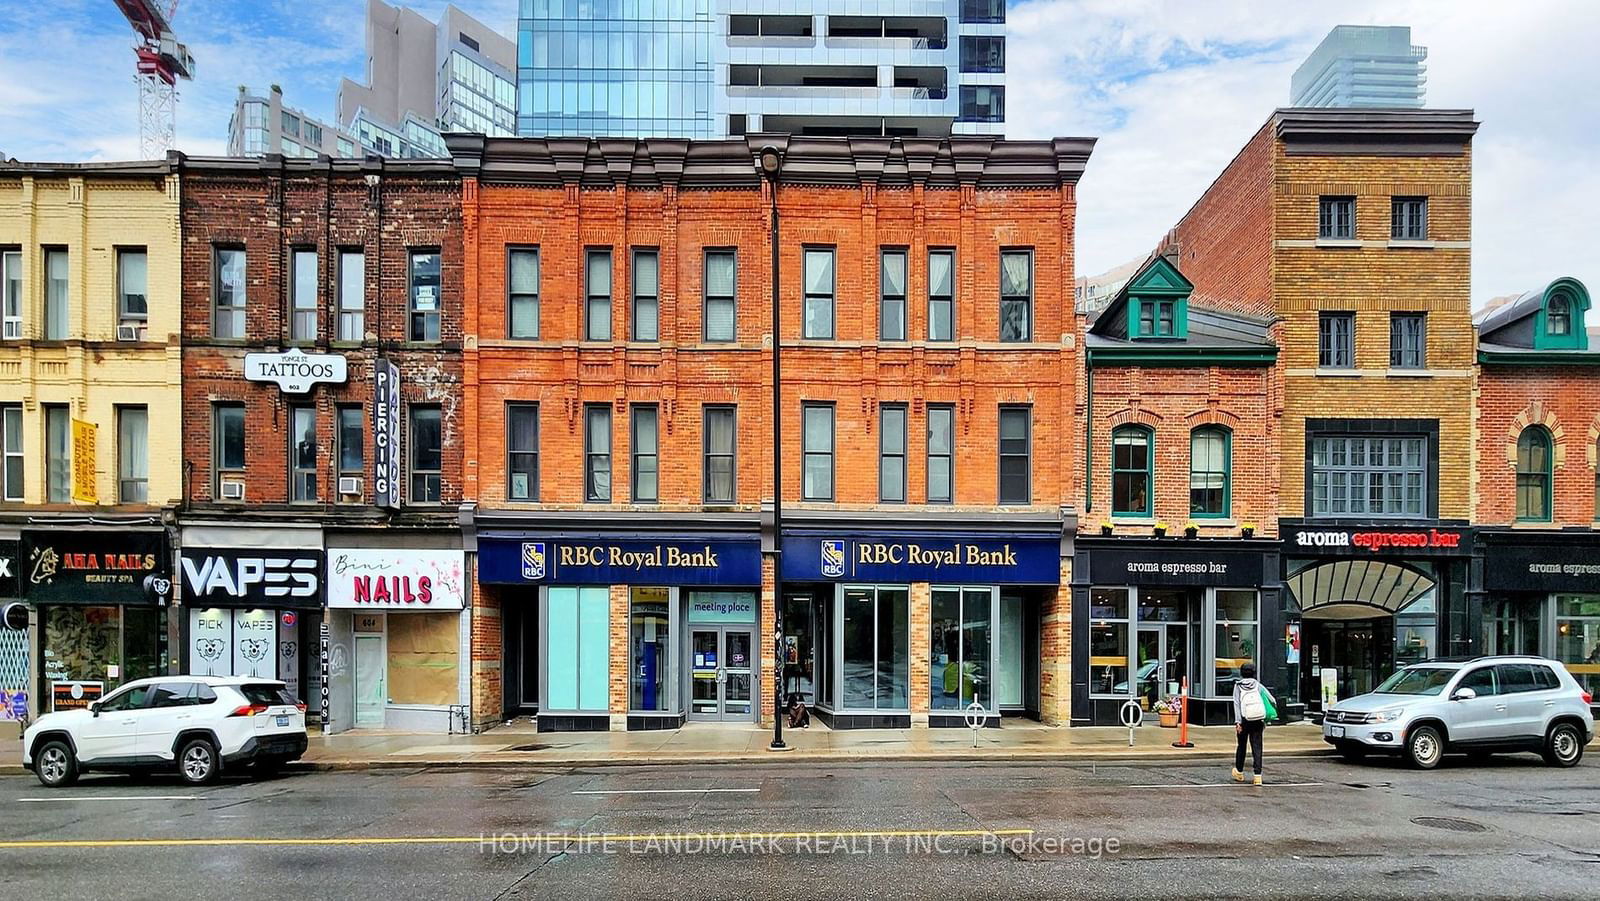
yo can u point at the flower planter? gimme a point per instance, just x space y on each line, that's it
1247 533
1191 533
1169 720
1161 533
1105 530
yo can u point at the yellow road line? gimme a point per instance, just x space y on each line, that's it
508 836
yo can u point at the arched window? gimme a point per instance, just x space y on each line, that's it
1558 315
1132 450
1533 474
1210 468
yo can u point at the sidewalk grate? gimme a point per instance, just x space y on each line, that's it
1450 823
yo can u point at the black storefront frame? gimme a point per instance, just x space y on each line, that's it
1531 569
1125 562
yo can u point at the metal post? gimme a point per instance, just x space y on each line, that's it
771 162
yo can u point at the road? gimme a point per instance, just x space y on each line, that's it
1319 827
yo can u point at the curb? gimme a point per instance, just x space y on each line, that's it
766 759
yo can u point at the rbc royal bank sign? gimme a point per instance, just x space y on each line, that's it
992 559
603 560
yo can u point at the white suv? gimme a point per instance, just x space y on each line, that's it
194 724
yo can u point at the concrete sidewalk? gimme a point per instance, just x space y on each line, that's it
519 744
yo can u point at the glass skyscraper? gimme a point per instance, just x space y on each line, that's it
715 68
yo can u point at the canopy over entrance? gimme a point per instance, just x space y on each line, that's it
1357 589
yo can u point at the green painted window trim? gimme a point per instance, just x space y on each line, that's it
1573 358
1149 471
1181 355
1180 316
1227 471
1577 336
1548 474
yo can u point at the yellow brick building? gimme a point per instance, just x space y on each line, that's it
1350 230
89 274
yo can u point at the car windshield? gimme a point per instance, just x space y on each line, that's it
1417 680
271 695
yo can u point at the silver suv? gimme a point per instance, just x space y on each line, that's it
1478 707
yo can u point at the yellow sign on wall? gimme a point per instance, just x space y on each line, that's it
83 436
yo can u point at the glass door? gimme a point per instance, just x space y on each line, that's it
721 674
705 674
371 694
1152 652
737 673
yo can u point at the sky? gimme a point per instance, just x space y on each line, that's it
1171 89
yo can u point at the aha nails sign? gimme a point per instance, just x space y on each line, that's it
398 579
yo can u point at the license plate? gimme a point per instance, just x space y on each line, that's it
1336 732
284 721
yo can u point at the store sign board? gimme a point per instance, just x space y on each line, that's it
386 434
979 559
1542 568
1157 565
619 561
252 576
1392 541
83 454
294 370
75 695
62 566
722 607
10 566
395 579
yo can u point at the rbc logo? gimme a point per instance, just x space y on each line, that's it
533 560
833 558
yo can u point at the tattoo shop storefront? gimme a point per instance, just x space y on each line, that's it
1541 596
1148 613
101 598
1371 597
678 607
253 599
889 625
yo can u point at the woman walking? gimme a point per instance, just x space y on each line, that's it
1250 700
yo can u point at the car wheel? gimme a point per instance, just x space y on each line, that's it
55 766
1353 753
198 763
1425 747
1563 746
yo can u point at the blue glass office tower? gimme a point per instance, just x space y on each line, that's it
719 68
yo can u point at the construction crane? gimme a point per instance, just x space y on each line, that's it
162 60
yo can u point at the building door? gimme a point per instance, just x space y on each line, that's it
1361 652
721 673
371 692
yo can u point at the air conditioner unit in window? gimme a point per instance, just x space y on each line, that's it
130 331
232 491
349 486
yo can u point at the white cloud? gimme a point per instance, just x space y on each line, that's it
1173 90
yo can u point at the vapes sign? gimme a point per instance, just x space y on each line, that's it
294 370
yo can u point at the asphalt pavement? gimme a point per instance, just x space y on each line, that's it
1319 827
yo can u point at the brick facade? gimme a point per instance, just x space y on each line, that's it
269 212
1565 400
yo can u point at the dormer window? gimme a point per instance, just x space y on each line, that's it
1156 318
1558 316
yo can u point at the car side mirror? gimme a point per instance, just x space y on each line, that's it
1463 694
94 708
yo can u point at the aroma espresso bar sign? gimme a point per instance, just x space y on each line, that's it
294 370
1378 540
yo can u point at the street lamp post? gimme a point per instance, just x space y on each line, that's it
771 163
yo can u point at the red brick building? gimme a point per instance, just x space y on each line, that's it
323 433
1181 463
1537 483
618 368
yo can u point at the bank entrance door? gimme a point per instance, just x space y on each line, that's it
721 673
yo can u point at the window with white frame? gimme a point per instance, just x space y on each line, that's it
303 324
11 445
133 284
11 294
352 295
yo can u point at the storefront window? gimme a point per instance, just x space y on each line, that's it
103 644
1009 672
1415 630
577 623
876 663
1236 638
961 664
1108 641
1578 637
1512 626
649 629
